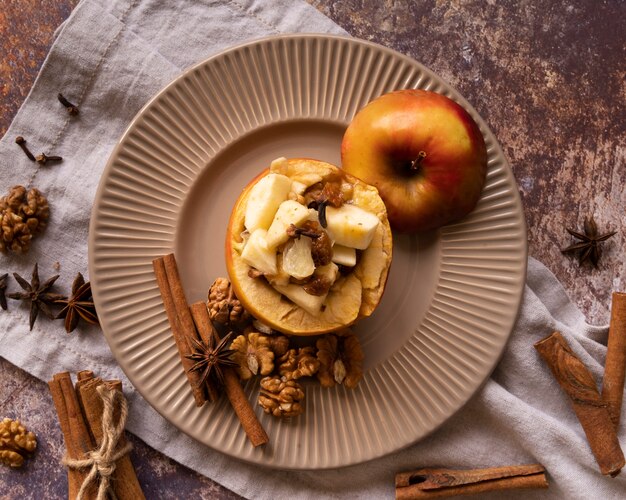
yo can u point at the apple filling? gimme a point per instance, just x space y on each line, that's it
304 234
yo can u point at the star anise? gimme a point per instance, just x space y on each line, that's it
78 305
37 294
589 246
212 359
3 288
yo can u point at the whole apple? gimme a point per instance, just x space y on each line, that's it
424 153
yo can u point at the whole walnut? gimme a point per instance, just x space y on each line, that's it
16 443
341 360
23 215
224 307
296 363
281 397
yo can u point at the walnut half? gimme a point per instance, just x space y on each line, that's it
341 360
16 443
253 355
281 397
224 308
255 352
296 363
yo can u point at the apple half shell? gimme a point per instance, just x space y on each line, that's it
350 298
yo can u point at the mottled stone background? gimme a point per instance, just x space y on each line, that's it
548 77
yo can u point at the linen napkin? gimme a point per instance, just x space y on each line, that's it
111 58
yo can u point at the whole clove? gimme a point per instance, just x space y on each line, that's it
72 109
43 158
21 142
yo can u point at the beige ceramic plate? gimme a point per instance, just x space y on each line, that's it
451 299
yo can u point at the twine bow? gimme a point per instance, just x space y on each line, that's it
102 460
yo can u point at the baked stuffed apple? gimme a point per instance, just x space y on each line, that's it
308 247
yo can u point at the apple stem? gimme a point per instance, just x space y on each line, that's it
415 164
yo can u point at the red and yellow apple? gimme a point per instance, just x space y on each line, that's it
423 152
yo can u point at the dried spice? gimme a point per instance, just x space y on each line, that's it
281 397
319 196
593 414
38 294
294 231
16 443
253 355
21 142
433 482
92 414
3 288
43 158
72 109
589 246
341 360
297 363
225 309
23 215
615 364
321 245
79 305
212 359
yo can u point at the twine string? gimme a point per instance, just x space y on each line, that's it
102 461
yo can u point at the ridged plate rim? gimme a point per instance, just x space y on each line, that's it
448 306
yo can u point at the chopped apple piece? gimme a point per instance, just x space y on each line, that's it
297 258
264 199
307 178
281 277
289 212
257 254
314 215
279 163
329 271
298 187
345 256
351 226
310 303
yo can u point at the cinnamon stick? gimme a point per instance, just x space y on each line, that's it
124 481
173 296
84 375
78 441
440 483
592 412
615 366
235 393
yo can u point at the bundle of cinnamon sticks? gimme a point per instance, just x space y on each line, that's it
190 324
598 413
80 411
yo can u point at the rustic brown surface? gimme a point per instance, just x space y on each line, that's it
548 77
